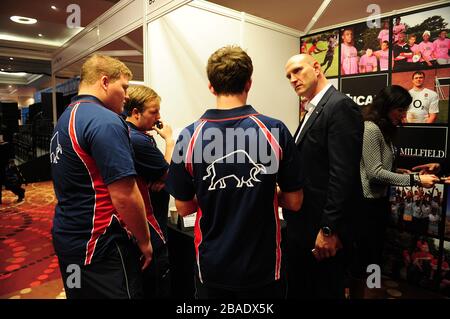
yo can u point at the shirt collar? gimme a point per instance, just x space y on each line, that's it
86 97
131 125
217 114
316 99
309 107
134 127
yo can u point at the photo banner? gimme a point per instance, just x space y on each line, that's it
363 89
421 144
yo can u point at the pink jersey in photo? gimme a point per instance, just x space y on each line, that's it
398 28
349 59
384 59
369 63
441 48
426 49
414 49
383 35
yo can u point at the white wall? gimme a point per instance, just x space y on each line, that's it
272 93
180 44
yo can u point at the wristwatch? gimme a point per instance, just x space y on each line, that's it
326 231
415 180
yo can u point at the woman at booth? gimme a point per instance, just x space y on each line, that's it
378 172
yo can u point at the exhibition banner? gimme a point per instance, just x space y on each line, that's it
417 145
363 89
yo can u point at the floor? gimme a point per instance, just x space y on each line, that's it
28 265
29 268
390 289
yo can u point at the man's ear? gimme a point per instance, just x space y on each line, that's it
211 89
104 82
248 85
316 67
135 113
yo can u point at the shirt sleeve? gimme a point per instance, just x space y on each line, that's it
110 147
371 157
180 183
434 103
149 161
290 176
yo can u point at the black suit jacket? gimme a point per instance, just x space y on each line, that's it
330 147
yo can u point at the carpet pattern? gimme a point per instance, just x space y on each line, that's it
28 265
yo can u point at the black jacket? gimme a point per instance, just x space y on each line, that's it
330 148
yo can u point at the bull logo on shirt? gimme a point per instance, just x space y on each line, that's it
220 171
55 149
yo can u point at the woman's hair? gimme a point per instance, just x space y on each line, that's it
388 99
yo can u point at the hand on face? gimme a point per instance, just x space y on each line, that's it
165 131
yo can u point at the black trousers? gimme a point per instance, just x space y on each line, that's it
371 224
117 275
157 278
273 290
309 278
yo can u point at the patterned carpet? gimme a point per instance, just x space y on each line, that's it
28 265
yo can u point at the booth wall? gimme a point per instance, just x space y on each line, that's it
272 93
179 46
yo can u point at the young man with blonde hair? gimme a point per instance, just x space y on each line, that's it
100 218
151 165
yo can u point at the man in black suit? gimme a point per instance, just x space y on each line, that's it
329 139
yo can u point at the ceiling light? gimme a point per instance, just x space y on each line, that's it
11 59
23 20
54 8
40 34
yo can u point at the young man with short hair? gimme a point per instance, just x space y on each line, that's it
425 105
226 167
99 205
142 109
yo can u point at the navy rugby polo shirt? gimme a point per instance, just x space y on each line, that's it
90 148
150 166
231 160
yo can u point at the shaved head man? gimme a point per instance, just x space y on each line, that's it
329 139
305 75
